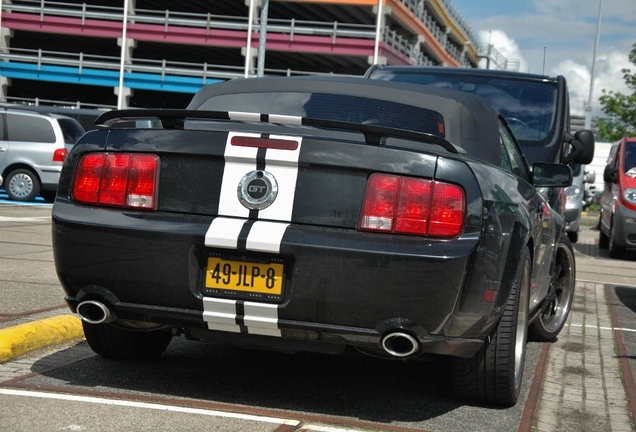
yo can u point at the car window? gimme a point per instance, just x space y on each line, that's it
505 160
29 128
515 157
629 161
528 106
323 106
71 130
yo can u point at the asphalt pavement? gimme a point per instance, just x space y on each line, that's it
583 381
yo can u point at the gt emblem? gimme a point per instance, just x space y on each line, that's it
257 190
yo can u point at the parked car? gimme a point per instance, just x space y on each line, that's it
618 203
537 108
316 214
33 147
577 199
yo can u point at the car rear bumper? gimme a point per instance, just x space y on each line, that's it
341 287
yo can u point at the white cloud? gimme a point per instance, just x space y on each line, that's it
608 76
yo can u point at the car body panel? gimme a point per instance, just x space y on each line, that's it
615 210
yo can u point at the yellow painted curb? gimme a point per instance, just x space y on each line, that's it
24 338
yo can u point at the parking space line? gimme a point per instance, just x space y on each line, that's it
604 328
25 219
146 405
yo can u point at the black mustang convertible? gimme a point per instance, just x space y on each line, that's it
315 214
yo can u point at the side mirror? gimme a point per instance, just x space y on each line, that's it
610 174
551 175
589 176
582 147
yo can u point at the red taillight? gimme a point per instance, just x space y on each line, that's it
117 179
60 155
407 205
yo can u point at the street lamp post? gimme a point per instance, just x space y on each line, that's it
248 47
588 108
262 39
378 27
122 59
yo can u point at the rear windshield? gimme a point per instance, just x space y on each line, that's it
529 107
324 106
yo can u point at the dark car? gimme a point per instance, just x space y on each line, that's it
314 214
536 107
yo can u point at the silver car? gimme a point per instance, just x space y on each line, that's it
33 147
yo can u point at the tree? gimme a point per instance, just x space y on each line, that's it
621 108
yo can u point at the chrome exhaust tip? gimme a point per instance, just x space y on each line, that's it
94 312
400 344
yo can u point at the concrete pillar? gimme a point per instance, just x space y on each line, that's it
5 38
386 10
128 93
251 62
418 43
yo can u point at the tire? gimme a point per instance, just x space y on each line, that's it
48 196
573 236
114 342
615 251
494 374
603 239
22 185
558 302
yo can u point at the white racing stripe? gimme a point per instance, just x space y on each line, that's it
262 233
224 232
282 164
266 236
238 162
220 314
259 318
145 405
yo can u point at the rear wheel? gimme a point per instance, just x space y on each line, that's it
48 196
22 185
558 302
603 239
573 236
494 374
114 342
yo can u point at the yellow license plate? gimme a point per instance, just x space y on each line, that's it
244 276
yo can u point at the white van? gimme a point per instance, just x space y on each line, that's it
33 147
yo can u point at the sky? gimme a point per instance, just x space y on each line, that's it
557 37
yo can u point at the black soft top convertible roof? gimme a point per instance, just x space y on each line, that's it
469 121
